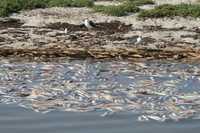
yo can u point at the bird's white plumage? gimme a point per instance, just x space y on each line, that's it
139 39
65 31
88 24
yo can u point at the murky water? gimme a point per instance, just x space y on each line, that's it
14 119
148 91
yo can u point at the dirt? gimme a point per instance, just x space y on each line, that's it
10 23
107 40
107 28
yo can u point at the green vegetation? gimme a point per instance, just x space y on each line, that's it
70 3
141 2
119 10
167 10
10 6
128 6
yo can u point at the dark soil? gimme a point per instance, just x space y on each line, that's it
10 23
107 28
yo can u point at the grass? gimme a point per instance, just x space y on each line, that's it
8 7
128 6
120 10
70 3
183 10
141 2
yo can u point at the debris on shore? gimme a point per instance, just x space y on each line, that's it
107 40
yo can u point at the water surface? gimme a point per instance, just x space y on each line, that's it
161 91
14 119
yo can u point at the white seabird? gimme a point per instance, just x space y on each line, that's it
88 24
139 39
135 39
66 31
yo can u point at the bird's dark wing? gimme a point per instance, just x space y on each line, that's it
82 24
92 23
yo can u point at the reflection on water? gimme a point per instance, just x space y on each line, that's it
154 90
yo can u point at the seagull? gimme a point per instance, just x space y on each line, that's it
88 24
139 38
135 39
66 31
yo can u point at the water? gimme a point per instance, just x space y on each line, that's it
19 120
105 94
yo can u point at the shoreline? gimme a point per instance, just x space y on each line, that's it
41 32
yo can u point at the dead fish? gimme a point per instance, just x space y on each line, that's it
157 118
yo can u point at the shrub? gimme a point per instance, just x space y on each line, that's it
141 2
167 10
128 6
60 3
119 10
82 3
32 4
10 6
71 3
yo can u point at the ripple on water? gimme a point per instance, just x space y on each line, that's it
155 90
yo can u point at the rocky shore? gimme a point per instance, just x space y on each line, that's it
42 33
